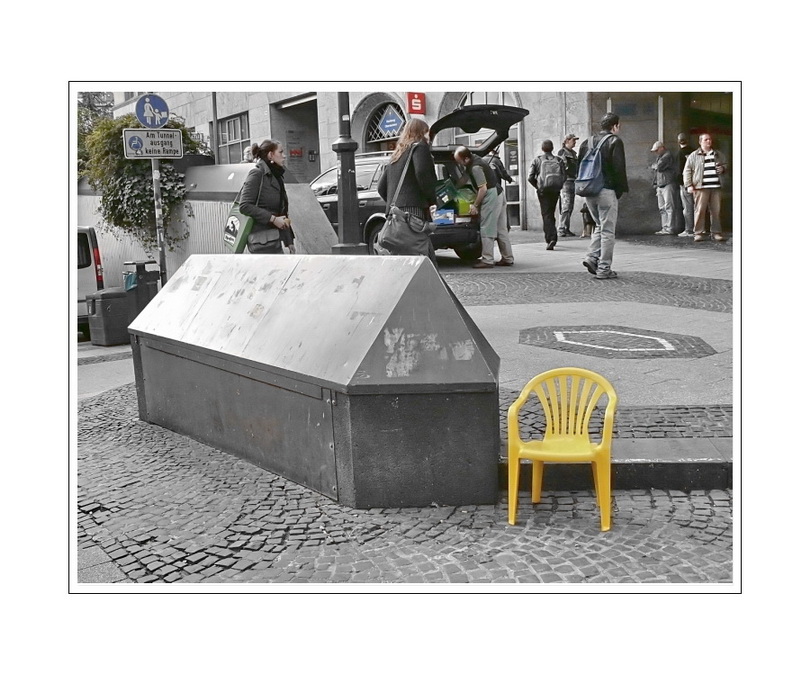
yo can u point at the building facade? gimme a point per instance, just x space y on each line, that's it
306 123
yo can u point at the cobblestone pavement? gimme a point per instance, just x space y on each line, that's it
155 506
670 290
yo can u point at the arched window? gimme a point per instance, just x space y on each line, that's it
481 98
385 124
491 97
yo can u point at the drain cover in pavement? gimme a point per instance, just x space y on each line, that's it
616 342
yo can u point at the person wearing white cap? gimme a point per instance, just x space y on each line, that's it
567 193
665 183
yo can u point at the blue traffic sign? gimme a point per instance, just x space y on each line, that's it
391 122
152 111
136 144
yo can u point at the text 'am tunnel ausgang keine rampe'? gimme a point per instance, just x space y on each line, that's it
360 377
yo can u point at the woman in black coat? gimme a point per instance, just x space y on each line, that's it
418 191
264 198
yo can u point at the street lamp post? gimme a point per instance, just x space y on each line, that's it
348 212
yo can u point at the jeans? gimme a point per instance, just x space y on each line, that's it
605 211
688 203
566 206
666 207
496 202
707 200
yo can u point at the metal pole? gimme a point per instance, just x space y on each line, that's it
214 127
161 240
349 234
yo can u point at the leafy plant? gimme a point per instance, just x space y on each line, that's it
126 185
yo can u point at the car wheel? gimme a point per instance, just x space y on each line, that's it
468 251
373 233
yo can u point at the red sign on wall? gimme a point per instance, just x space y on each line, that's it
416 103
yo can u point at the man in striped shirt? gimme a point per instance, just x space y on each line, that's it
702 177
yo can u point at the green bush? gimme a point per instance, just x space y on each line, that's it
126 185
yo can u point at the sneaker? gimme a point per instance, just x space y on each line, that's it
590 264
718 237
550 247
503 263
686 234
700 237
481 265
663 232
610 275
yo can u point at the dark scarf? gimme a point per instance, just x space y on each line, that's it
278 173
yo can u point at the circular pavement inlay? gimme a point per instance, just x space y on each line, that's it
616 342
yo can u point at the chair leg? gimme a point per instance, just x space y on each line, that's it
603 495
537 481
514 479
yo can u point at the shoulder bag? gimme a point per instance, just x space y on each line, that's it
403 233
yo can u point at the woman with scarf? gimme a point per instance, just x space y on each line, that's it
264 198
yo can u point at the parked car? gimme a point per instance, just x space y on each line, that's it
90 273
463 235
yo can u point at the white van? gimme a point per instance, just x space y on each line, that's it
90 273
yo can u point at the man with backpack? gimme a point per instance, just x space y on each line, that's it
547 176
602 180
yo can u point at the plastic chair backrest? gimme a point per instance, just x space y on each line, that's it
569 397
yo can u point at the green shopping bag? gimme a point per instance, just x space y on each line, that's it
238 225
237 229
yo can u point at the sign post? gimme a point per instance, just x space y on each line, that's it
153 112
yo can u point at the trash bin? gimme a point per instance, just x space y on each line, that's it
141 285
360 377
108 314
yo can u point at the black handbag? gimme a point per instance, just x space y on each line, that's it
404 233
265 241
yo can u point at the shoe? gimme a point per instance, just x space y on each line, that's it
718 237
663 232
481 265
569 233
686 234
610 275
550 247
503 263
562 234
590 264
700 237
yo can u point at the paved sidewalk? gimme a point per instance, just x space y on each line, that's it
154 506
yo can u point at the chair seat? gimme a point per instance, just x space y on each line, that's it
560 449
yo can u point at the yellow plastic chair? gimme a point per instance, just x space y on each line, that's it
569 397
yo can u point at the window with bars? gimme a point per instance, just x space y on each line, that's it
376 131
233 136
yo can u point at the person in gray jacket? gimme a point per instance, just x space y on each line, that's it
703 178
665 184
